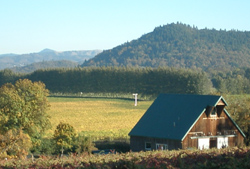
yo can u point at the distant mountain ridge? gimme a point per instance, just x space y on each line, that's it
8 54
45 65
46 50
182 46
13 60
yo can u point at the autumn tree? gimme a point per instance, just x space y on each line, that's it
14 143
23 106
64 136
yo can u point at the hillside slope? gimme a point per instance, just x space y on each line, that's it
10 61
180 45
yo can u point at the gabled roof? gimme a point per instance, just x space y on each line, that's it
172 116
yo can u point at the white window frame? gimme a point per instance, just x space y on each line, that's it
160 146
146 148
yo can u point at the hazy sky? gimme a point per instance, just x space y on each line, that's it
28 26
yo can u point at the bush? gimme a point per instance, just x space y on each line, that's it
83 144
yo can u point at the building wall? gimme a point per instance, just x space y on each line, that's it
138 143
213 127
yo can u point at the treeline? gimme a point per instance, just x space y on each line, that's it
235 81
148 81
117 80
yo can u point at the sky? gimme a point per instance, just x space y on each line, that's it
28 26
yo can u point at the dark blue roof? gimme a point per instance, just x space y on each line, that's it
171 116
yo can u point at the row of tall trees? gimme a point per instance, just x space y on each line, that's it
119 80
150 81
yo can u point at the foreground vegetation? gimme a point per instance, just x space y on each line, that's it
212 158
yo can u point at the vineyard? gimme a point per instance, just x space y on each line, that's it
213 158
97 117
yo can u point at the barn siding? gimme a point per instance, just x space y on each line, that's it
210 127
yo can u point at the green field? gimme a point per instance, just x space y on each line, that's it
97 117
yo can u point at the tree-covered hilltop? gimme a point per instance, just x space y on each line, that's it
182 46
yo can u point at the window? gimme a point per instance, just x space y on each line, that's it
214 112
147 146
161 146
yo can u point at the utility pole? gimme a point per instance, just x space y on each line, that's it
135 94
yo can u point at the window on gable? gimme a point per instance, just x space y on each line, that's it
147 146
214 112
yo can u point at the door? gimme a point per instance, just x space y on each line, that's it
213 143
203 143
222 142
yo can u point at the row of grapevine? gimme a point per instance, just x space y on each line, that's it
213 158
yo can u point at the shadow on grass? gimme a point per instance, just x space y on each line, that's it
120 146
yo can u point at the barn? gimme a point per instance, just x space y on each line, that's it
182 121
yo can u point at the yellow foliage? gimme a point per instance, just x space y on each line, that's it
14 143
97 117
64 135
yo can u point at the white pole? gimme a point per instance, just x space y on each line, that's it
135 94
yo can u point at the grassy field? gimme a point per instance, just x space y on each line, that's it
97 117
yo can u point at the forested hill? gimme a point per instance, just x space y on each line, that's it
180 45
